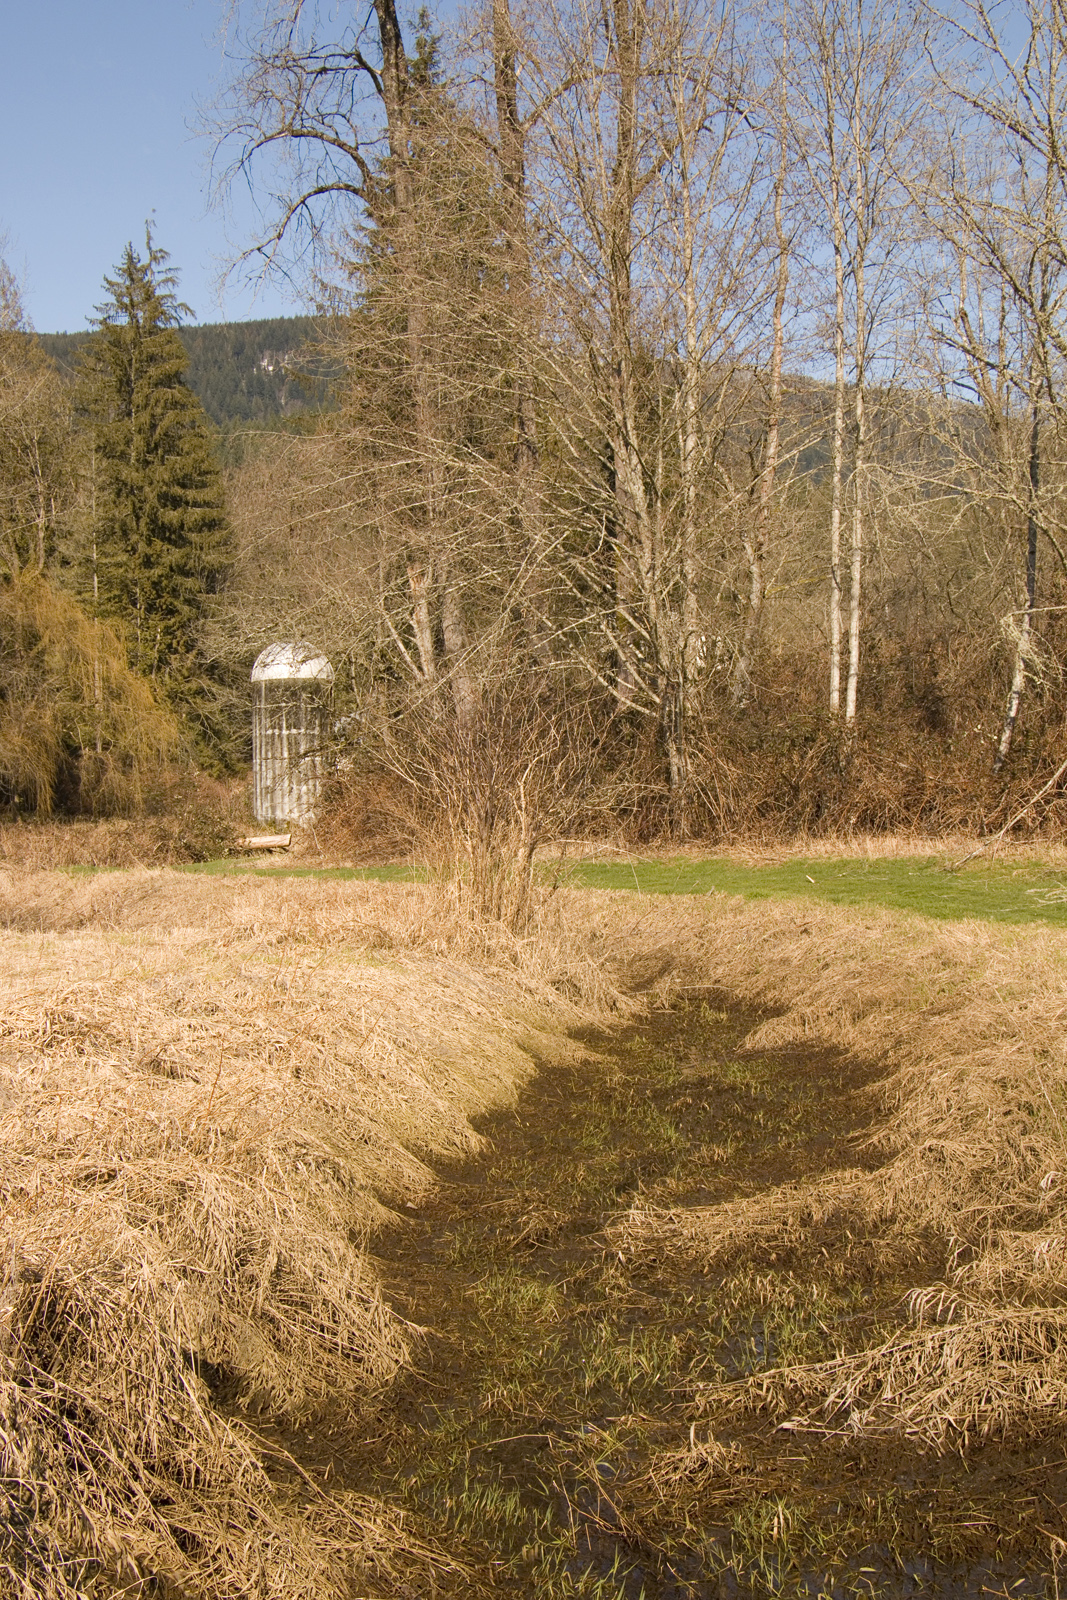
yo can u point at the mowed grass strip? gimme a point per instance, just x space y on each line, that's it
993 891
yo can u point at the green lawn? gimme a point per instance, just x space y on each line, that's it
997 891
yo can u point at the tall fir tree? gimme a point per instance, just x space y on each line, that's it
158 535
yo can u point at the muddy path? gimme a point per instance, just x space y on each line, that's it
552 1437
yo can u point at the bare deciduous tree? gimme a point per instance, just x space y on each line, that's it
355 127
1001 208
35 444
858 97
648 187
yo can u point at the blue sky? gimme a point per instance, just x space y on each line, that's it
97 103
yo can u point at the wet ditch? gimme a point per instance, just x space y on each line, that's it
553 1436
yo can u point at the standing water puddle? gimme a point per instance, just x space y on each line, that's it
552 1437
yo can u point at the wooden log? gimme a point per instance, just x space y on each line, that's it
265 841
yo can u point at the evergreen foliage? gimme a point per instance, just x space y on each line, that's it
158 537
256 371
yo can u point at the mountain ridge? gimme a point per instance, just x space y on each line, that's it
254 371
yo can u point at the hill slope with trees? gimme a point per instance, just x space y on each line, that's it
239 371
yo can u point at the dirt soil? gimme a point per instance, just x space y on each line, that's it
564 1431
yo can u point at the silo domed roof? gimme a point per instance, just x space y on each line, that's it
289 661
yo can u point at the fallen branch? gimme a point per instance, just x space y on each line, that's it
1060 771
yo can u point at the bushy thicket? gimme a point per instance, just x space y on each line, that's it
113 539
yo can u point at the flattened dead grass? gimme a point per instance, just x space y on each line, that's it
210 1091
967 1146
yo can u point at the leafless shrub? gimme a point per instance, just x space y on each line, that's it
473 796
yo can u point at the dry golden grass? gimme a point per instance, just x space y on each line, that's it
967 1143
213 1089
210 1089
944 847
192 818
986 1372
41 847
947 847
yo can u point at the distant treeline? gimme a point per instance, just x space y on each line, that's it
242 371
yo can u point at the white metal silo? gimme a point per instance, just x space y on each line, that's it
292 684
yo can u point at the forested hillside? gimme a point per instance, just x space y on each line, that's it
240 371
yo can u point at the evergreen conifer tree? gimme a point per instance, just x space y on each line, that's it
159 537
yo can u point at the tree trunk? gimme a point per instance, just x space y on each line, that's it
457 651
856 564
635 554
419 582
675 744
692 644
859 418
837 467
755 542
431 561
511 148
1022 649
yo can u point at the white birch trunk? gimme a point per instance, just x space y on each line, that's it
755 541
837 467
860 447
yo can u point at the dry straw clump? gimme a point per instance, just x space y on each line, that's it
187 817
966 1150
210 1089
